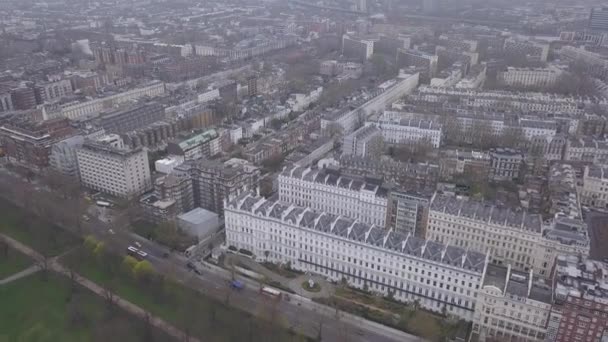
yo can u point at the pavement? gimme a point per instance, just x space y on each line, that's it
300 313
24 273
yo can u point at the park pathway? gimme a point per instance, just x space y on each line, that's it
26 272
129 307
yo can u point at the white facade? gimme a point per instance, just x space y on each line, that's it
113 171
396 130
366 256
514 238
387 93
335 194
166 165
512 306
364 142
527 77
525 101
91 108
595 187
300 102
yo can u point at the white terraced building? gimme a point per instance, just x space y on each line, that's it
332 192
403 130
367 256
511 237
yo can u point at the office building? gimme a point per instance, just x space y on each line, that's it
328 190
364 142
115 171
49 91
415 58
357 48
252 86
23 98
439 277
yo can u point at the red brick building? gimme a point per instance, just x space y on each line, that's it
30 143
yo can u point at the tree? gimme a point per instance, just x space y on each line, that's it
128 264
334 130
90 242
143 270
110 297
276 124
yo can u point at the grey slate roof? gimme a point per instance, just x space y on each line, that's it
361 232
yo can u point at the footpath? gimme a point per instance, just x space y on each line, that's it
129 307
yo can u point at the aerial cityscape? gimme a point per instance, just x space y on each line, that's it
288 170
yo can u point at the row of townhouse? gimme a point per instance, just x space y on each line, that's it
512 238
440 277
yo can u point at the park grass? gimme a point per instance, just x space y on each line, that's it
35 308
14 262
203 317
34 231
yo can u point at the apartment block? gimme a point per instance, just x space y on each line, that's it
439 277
364 142
330 191
115 171
214 181
512 306
401 130
594 192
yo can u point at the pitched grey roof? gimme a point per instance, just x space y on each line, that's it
361 232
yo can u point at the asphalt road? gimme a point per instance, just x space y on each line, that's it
303 315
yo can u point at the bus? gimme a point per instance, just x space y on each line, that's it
104 204
136 253
269 291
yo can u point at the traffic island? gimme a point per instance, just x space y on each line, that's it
311 286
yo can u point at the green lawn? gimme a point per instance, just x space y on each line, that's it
12 263
33 231
203 317
38 309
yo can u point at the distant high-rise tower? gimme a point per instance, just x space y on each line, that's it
598 20
362 5
252 86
